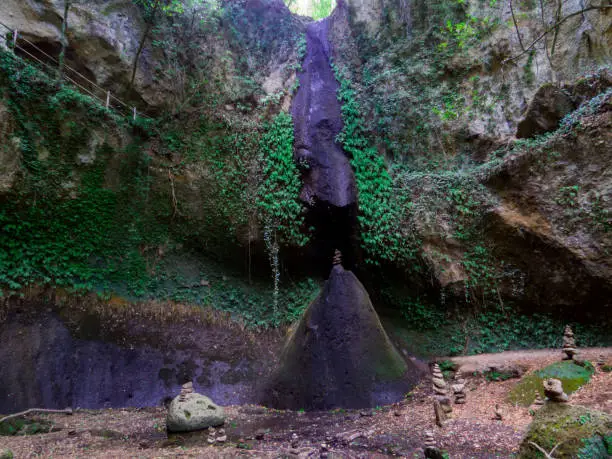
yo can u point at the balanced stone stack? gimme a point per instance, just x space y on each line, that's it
429 440
459 389
538 399
569 343
186 389
337 260
601 360
431 451
190 411
553 389
439 385
499 415
441 389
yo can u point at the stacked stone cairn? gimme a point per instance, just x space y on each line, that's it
439 385
538 399
499 415
186 389
569 344
337 260
431 451
459 389
441 389
553 389
601 360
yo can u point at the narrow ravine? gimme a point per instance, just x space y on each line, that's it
329 182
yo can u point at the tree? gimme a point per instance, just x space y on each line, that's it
151 10
559 20
64 40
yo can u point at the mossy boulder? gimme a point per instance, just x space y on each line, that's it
576 429
192 412
571 375
339 355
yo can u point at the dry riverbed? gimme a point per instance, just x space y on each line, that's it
396 430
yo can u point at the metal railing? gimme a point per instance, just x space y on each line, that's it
72 76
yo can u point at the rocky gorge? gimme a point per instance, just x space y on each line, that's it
177 178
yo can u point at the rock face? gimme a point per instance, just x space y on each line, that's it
548 106
190 411
76 363
339 355
527 215
318 120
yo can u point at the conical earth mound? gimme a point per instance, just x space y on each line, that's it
339 355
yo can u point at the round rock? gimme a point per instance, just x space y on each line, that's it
193 412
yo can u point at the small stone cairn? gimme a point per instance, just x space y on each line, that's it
439 385
553 389
538 399
216 436
459 389
430 450
186 389
337 260
601 360
569 344
498 414
442 402
190 411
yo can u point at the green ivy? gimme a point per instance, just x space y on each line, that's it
278 196
381 210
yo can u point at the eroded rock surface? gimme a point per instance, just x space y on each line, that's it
339 355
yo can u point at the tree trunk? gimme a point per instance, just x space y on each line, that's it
64 41
145 35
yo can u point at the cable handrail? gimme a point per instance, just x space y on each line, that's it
108 95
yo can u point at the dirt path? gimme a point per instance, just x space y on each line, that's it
528 358
254 431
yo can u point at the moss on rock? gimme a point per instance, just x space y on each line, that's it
572 377
571 427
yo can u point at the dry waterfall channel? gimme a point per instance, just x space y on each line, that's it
135 287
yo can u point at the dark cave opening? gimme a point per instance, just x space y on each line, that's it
333 228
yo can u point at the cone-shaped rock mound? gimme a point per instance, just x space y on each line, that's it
339 355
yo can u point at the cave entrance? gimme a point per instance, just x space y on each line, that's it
333 228
315 9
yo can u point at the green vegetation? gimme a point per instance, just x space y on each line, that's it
278 195
596 447
381 211
20 426
571 375
86 216
577 430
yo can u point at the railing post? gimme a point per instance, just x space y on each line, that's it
107 99
15 35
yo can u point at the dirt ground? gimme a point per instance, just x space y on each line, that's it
254 431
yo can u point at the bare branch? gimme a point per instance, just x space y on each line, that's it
518 32
543 451
554 27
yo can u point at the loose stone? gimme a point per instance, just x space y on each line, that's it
553 389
